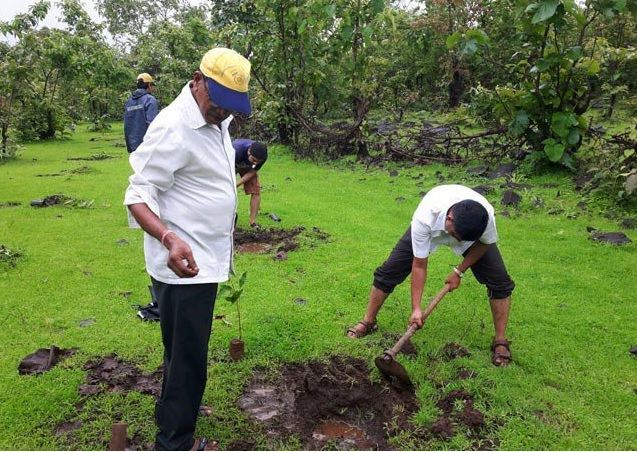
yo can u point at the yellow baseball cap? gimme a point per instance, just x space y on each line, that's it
145 77
227 74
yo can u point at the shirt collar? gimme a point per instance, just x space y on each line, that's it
194 117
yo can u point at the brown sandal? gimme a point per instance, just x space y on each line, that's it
500 359
356 333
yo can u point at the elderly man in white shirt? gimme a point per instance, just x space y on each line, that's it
462 219
183 194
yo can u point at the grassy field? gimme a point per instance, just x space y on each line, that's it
573 383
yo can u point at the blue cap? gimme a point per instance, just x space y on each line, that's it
227 98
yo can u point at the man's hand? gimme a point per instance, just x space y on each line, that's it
453 280
180 258
416 318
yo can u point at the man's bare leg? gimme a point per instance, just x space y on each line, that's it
255 202
500 308
376 299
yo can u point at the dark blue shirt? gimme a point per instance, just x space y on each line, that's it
139 111
241 161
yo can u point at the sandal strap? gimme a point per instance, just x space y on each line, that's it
369 327
501 343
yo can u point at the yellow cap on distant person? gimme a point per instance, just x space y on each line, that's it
145 77
228 75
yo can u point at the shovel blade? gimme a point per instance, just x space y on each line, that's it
389 367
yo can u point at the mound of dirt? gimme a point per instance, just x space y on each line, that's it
614 238
263 240
113 374
453 350
43 359
329 404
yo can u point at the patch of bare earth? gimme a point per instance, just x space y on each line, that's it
330 404
262 240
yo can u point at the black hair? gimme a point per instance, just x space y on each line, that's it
470 219
259 151
141 84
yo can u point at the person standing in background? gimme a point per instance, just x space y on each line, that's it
139 111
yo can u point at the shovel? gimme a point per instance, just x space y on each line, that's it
387 363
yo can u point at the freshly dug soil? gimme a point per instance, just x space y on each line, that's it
264 240
113 374
453 350
43 359
510 198
329 404
614 238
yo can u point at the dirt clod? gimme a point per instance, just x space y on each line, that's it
628 223
614 238
113 374
263 240
43 359
510 198
329 404
453 350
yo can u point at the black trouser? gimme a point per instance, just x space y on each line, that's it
186 324
489 270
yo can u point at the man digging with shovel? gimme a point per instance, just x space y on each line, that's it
462 219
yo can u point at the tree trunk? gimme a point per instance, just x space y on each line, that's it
456 89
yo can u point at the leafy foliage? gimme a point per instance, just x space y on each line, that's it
231 292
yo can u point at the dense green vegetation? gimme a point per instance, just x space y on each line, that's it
571 386
529 69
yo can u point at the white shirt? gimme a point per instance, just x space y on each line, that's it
428 223
184 172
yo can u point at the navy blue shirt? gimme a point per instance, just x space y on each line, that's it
241 161
139 111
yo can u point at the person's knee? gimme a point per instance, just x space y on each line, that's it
500 292
383 287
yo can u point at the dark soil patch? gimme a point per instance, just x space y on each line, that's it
112 374
43 359
628 223
329 404
10 204
242 444
453 350
479 170
263 240
458 410
51 200
483 189
465 374
510 198
503 170
614 238
100 156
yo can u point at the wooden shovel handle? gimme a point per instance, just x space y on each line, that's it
413 327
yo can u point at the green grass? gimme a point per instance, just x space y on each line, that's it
573 384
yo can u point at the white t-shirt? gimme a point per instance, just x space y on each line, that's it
428 223
184 171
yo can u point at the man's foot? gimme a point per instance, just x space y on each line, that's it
255 225
361 329
501 353
205 410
